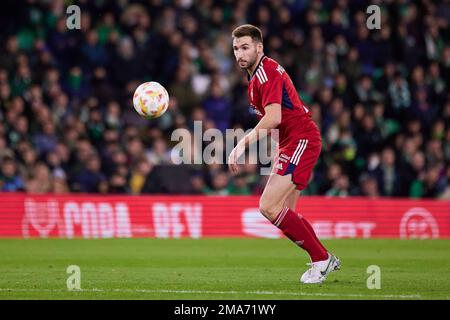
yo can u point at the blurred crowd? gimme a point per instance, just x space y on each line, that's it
380 97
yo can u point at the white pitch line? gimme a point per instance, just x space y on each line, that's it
276 293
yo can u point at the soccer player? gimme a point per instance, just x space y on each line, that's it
273 97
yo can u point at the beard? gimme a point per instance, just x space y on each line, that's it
247 64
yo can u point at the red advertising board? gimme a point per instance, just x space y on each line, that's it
93 216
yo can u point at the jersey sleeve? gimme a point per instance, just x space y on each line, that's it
271 91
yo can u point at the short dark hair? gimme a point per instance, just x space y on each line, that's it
248 30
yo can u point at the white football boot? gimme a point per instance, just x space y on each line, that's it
319 270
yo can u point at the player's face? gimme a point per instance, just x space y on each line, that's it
245 51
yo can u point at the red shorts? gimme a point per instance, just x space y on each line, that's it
298 158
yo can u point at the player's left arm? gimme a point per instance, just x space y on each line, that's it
269 121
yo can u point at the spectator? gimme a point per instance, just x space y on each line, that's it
369 136
340 187
218 108
198 184
139 175
366 91
90 177
427 186
334 171
46 141
9 179
399 94
59 184
39 180
369 186
159 153
219 184
239 186
387 174
182 90
118 184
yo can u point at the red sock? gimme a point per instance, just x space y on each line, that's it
295 229
311 230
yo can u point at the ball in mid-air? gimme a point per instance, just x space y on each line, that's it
151 100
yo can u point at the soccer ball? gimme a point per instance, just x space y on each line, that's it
151 100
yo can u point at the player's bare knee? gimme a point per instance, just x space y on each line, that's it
269 211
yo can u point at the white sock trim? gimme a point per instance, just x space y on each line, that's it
281 216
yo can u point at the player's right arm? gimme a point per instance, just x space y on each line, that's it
269 121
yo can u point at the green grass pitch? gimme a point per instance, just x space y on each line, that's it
219 269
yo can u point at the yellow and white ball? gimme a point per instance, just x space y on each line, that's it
151 100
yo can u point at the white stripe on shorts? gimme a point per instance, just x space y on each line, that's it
299 151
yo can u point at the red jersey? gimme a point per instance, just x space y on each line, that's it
270 83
